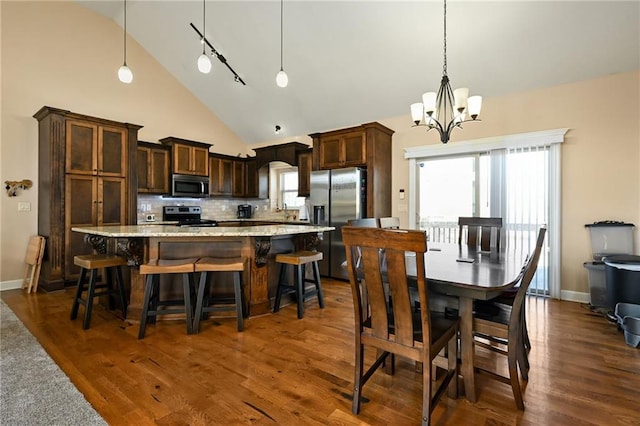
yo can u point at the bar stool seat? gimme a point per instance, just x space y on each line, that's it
152 303
204 304
94 262
299 260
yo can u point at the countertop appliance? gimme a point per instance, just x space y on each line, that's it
189 186
186 216
245 211
336 197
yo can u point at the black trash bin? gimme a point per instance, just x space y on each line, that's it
622 275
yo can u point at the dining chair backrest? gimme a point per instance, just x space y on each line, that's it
390 222
528 270
374 243
366 222
483 232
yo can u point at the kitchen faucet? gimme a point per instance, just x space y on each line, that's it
286 212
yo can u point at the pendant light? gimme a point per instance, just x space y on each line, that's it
124 72
282 80
204 62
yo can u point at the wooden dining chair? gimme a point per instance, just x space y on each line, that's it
390 222
396 328
483 232
504 325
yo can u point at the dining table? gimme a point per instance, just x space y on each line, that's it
469 274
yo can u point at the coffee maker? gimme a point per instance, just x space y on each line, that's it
244 211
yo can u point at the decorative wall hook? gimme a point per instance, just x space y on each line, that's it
12 186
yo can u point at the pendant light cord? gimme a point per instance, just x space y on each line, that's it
281 26
204 24
444 66
124 38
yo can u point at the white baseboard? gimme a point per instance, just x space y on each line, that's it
10 285
575 296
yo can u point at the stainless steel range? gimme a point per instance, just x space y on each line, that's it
186 216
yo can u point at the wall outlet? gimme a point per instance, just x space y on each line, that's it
151 217
24 206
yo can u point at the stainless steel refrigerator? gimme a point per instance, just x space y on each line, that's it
336 197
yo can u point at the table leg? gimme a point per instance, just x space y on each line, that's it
466 342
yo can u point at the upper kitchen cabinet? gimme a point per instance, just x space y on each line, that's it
87 176
305 162
95 150
342 150
367 146
188 157
221 175
153 168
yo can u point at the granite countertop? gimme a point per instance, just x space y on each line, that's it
171 230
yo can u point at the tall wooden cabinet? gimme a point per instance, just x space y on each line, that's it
87 170
367 146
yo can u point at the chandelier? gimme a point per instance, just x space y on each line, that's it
448 108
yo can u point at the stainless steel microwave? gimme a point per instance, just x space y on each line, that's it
189 186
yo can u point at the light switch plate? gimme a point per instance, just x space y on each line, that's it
24 206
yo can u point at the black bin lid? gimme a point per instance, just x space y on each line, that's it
608 223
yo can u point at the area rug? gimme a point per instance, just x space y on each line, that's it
33 389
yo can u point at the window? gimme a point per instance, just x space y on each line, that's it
284 186
516 177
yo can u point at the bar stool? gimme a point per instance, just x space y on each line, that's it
152 303
93 262
205 304
299 259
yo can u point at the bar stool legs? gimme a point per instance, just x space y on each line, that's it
299 260
94 263
152 304
203 303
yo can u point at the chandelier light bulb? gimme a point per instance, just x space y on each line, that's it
282 79
124 74
204 63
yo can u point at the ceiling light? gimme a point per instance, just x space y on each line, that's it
204 62
278 128
448 108
124 72
281 78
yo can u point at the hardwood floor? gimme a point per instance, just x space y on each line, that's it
286 371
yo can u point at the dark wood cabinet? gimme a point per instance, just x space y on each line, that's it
367 146
87 169
305 162
239 179
188 157
153 168
347 149
221 175
251 178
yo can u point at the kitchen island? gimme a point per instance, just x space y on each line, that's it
257 244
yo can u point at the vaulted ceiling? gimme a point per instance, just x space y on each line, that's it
351 62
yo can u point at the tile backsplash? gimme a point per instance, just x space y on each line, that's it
212 208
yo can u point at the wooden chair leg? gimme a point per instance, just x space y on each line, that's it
89 301
186 285
316 277
123 301
199 302
239 303
78 294
452 361
299 272
148 289
426 395
358 382
513 374
276 306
